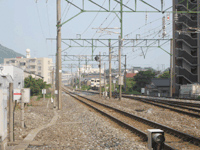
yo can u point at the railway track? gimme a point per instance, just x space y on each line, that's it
138 125
180 107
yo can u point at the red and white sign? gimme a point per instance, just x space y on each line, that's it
17 94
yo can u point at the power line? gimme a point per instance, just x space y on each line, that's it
93 19
40 20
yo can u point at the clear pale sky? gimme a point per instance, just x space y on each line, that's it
27 24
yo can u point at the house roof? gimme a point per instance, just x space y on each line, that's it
130 75
160 82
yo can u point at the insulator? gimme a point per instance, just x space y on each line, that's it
176 16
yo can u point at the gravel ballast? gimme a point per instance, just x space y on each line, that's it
80 127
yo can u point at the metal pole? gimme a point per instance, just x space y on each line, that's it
171 65
79 75
53 87
104 80
22 110
44 96
100 74
110 75
59 65
120 44
125 76
120 86
11 124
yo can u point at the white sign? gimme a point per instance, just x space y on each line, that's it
120 81
114 81
142 90
56 91
17 94
26 95
43 91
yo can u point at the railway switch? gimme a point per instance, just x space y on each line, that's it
156 139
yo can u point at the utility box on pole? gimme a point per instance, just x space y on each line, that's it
17 95
3 120
120 80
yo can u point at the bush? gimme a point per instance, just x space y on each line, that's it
35 85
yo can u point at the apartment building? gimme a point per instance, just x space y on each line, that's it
186 44
38 66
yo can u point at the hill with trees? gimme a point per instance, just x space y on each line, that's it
8 53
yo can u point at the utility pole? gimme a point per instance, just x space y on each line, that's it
79 75
72 77
110 75
119 81
120 45
53 89
100 74
22 109
104 80
59 65
11 124
120 77
125 75
171 65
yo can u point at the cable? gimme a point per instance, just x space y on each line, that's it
40 20
67 11
93 18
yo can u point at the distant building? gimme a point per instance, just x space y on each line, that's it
158 87
130 75
39 66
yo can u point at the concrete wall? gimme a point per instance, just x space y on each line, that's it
16 73
3 115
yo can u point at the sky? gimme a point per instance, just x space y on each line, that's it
28 24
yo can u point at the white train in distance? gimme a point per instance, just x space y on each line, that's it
95 83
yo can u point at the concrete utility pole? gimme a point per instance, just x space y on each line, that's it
125 75
119 82
100 74
79 75
171 66
104 80
72 77
110 75
53 89
11 123
22 110
59 65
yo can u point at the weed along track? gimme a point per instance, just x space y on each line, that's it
174 138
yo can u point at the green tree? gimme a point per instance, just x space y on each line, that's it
142 78
35 86
164 75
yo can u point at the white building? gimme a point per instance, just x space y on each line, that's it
16 74
38 66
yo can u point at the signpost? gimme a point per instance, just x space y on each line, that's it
43 92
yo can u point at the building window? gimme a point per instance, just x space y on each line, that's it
39 61
49 62
39 73
32 67
7 62
39 68
32 60
12 61
22 63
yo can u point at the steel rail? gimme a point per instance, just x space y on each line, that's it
181 135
